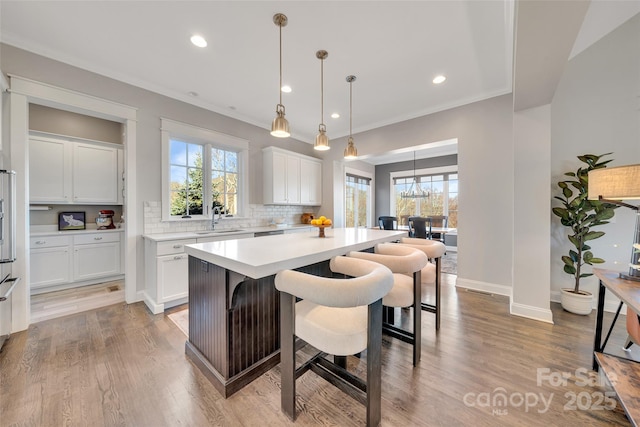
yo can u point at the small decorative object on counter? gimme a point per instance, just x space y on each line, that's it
104 220
306 218
321 223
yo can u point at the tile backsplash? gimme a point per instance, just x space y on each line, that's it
257 216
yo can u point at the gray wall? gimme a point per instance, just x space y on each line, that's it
61 122
383 177
596 109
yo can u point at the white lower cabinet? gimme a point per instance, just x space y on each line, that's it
50 261
173 275
167 270
59 262
96 256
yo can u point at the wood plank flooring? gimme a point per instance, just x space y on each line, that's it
51 305
122 366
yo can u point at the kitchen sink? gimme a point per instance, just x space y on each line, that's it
233 230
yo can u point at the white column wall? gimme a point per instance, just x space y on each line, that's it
531 228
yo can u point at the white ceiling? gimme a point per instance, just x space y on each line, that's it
394 48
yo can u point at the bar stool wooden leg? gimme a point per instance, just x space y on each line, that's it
417 316
374 370
287 355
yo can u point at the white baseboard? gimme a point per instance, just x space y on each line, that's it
531 312
490 288
151 304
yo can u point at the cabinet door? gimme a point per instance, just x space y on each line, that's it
173 277
293 179
279 178
95 174
96 260
49 266
310 182
49 171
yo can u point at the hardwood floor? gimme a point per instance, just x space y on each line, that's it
51 305
122 366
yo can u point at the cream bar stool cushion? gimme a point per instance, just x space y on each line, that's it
336 316
402 261
406 292
432 248
431 273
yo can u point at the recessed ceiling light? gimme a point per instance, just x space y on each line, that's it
198 41
286 89
335 115
439 79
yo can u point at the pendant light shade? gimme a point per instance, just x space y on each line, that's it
350 152
322 140
280 125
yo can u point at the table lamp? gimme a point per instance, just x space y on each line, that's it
612 185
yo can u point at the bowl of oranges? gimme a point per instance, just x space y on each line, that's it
321 223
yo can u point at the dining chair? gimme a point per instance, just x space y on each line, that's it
337 316
406 264
419 227
439 221
388 222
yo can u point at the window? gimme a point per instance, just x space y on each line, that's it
201 169
442 189
357 201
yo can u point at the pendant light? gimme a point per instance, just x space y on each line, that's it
350 152
322 141
280 125
415 193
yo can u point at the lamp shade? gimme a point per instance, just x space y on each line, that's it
619 183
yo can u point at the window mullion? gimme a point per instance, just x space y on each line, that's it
206 178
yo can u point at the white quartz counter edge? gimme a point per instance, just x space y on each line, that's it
161 237
266 256
72 232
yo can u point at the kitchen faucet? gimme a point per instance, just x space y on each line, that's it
214 221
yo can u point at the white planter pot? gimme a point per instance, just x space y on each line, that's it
576 303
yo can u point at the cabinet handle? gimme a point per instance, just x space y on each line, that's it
177 257
97 238
41 242
177 246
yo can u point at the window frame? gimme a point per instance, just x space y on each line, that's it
171 129
361 174
442 170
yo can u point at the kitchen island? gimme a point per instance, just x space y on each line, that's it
234 308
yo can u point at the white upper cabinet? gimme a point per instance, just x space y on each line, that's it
291 178
310 182
49 171
63 171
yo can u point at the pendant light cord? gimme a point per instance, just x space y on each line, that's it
350 106
280 88
322 91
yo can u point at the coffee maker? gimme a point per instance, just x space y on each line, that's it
104 220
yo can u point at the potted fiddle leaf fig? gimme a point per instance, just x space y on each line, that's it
580 215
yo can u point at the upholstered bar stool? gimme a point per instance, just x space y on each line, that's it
406 263
431 272
339 317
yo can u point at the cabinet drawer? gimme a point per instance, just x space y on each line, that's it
83 239
49 241
173 246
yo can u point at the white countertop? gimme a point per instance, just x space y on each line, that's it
161 237
267 255
40 231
